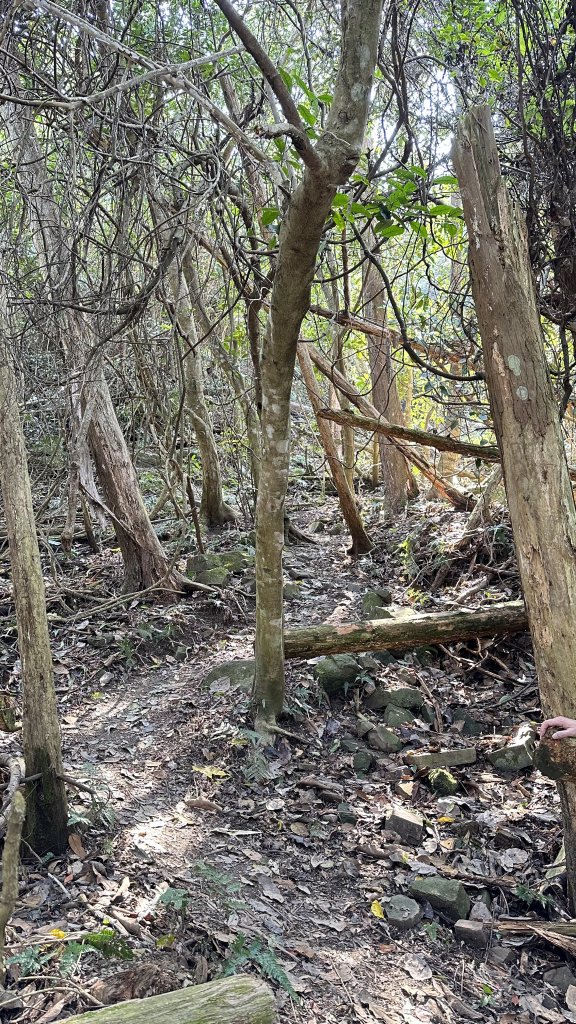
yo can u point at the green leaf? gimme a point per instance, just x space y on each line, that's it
389 230
340 199
446 179
269 215
307 114
446 210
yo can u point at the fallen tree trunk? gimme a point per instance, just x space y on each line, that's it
238 1000
487 453
412 630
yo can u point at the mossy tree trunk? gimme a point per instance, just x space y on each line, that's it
47 815
527 427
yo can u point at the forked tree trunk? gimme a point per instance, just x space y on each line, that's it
361 542
47 815
527 426
328 165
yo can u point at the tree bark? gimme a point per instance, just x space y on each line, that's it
361 542
396 475
405 631
237 1000
527 427
47 815
327 165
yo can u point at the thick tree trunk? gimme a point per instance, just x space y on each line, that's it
527 426
47 816
361 542
328 165
396 475
237 1000
404 632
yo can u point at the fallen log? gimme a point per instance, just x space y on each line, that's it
405 631
487 453
237 1000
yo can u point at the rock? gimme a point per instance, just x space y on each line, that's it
425 654
349 744
336 672
401 697
518 752
201 563
470 726
570 998
240 673
404 788
465 827
364 726
384 594
346 814
474 933
443 782
560 978
501 955
480 912
445 894
236 561
427 714
385 740
443 758
373 606
213 577
363 762
408 824
394 716
384 657
291 590
402 912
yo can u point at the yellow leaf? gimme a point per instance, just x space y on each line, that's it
445 820
376 909
57 933
209 772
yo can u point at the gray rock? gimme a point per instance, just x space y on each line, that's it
401 697
201 563
291 590
443 758
470 726
363 761
404 788
501 955
480 912
518 752
445 894
384 657
394 716
560 978
346 814
374 607
385 740
474 933
216 577
240 673
402 912
336 672
407 823
384 594
427 714
236 561
349 744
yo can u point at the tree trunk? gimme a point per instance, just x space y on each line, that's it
396 475
144 560
527 427
328 165
404 632
47 815
213 508
237 1000
361 542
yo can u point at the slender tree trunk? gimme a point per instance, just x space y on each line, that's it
361 542
46 816
396 475
527 427
328 165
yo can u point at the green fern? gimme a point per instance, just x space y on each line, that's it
262 957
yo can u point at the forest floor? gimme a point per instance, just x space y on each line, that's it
198 853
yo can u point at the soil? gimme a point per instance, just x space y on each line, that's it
205 853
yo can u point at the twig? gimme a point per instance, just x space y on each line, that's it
10 863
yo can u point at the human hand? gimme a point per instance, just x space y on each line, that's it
567 727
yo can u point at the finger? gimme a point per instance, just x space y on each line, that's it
563 732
